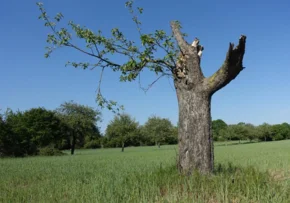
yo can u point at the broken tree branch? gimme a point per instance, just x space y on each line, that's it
178 36
232 66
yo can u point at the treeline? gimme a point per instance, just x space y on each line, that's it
39 131
247 131
45 132
124 131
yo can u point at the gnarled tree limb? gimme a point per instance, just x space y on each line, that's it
178 36
232 66
190 57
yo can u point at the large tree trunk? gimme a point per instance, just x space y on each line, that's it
194 92
195 136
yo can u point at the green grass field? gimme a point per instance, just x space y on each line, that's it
258 173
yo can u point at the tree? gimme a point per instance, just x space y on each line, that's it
3 135
26 132
251 132
286 130
43 126
265 132
240 131
121 129
80 120
281 131
217 126
93 138
16 139
158 130
228 133
181 62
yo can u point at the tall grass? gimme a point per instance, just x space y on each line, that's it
148 174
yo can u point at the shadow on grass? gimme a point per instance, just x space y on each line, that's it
228 183
235 143
226 169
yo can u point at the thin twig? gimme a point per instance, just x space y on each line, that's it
100 81
149 86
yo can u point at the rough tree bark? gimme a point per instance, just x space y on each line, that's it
194 92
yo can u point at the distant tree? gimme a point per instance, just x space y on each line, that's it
244 131
281 131
121 129
158 130
104 142
217 126
277 132
286 130
80 120
27 132
17 141
240 131
228 133
147 140
173 139
3 135
142 137
93 138
43 126
265 132
251 132
241 124
136 139
2 125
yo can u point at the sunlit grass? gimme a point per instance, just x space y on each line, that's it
148 174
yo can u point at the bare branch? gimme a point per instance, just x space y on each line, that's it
100 81
151 84
170 84
178 36
90 54
111 105
232 66
163 63
168 53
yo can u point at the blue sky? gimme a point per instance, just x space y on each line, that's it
259 94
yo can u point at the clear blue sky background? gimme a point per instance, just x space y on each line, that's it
261 93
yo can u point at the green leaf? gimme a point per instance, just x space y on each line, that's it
140 10
129 4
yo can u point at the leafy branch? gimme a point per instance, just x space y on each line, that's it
102 48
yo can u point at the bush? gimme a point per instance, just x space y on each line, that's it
93 144
50 151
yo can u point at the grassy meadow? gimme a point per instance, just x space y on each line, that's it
255 172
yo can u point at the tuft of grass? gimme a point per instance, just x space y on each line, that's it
243 173
50 151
